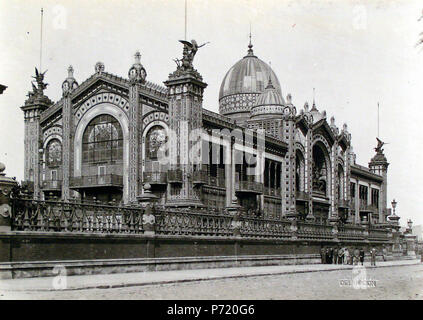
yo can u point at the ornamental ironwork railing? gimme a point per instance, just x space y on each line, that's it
60 216
199 177
265 228
249 186
216 181
364 206
275 192
174 176
97 181
343 203
184 222
81 217
302 195
52 184
307 230
351 232
155 177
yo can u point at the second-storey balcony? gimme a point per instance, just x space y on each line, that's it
302 196
107 180
274 192
343 203
352 204
199 177
174 176
52 185
216 181
155 177
249 187
364 207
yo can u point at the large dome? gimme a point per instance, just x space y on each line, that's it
242 84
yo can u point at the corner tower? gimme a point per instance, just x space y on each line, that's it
379 165
36 103
186 87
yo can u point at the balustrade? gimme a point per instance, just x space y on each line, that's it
62 216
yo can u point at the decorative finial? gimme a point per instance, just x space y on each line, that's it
70 72
137 57
345 127
99 67
289 98
250 45
306 106
332 121
137 73
324 113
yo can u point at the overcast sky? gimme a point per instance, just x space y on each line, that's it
355 53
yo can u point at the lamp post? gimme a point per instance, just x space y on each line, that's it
41 162
394 205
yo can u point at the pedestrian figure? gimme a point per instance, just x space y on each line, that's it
362 256
327 256
323 255
346 256
373 253
335 255
330 255
340 256
384 254
356 256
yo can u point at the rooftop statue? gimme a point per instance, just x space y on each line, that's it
380 144
39 80
189 52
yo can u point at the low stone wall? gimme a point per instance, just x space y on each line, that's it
84 267
29 254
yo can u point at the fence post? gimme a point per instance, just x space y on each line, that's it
148 221
233 210
6 186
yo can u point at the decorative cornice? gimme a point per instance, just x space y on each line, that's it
365 172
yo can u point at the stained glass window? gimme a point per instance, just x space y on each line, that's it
54 153
102 140
156 137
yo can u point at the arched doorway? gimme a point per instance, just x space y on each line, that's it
102 160
321 181
155 157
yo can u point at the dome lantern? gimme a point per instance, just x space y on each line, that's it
243 83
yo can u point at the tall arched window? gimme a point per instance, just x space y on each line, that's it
54 153
102 140
155 138
320 170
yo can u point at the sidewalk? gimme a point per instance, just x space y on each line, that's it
104 281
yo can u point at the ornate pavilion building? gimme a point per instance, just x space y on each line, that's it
106 139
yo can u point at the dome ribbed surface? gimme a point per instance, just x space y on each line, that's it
249 75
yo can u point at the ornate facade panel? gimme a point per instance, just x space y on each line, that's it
100 98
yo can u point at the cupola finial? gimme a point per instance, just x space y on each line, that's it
250 45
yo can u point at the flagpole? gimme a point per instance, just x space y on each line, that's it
185 20
378 119
41 39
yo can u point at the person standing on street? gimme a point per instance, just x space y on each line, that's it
356 256
362 256
323 255
335 256
341 256
346 256
373 253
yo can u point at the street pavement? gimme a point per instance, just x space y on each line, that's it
392 280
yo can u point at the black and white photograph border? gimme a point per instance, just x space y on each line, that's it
211 150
